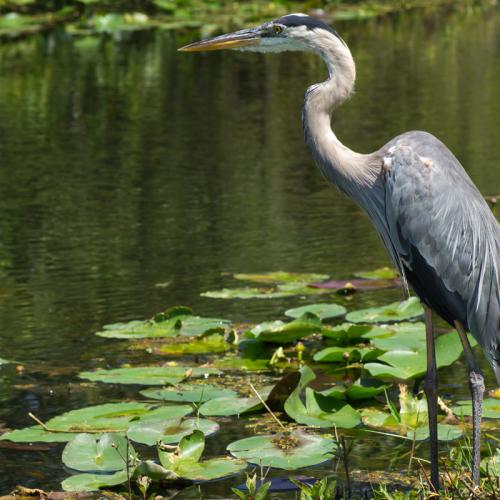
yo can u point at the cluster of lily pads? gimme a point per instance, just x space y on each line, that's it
185 403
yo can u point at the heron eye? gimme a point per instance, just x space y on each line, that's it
278 29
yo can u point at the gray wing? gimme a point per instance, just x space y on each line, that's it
445 236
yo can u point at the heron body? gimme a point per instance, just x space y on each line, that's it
434 223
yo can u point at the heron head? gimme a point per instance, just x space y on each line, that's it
290 32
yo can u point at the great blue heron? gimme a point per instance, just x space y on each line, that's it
436 226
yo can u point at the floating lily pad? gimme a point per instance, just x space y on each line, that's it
175 321
87 453
358 390
112 417
151 431
446 432
348 332
396 330
242 363
36 434
347 287
382 273
213 343
322 310
92 482
185 461
490 466
491 408
289 451
281 277
346 354
319 410
397 311
190 394
147 375
263 293
279 332
225 407
405 363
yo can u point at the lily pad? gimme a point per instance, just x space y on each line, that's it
147 375
397 311
36 434
346 354
151 431
263 293
289 451
347 287
356 391
491 408
190 394
382 273
281 277
490 466
92 482
105 454
186 462
346 333
322 310
446 432
112 417
407 363
319 410
213 343
225 407
278 332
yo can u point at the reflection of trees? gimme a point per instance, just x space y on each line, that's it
123 165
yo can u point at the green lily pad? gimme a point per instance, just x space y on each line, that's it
36 434
105 454
319 410
175 321
281 277
277 292
358 390
394 329
446 432
490 466
345 354
112 417
228 406
186 461
405 363
242 363
4 361
346 333
278 332
92 482
397 311
190 393
147 375
322 310
491 408
382 273
151 431
213 343
289 451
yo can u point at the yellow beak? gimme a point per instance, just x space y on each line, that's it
236 40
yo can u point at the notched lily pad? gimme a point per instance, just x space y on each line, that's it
322 310
279 332
36 434
147 375
289 451
87 453
397 311
93 482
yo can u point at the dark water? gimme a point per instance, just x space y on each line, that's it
132 176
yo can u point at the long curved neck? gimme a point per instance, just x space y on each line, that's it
352 172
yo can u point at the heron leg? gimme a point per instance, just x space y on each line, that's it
430 389
476 384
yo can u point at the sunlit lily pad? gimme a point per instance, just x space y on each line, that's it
280 332
491 465
288 451
87 453
358 390
396 330
319 410
186 461
322 310
112 417
36 434
346 333
92 482
397 311
281 277
190 394
225 407
346 354
175 321
213 343
491 408
150 431
407 362
147 375
382 273
278 292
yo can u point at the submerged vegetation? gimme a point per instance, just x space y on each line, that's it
306 411
83 17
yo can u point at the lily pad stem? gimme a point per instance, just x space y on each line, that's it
266 406
68 431
39 422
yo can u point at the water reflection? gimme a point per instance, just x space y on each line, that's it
125 165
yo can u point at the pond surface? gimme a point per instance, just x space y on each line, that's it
133 176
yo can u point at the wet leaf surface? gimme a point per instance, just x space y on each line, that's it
491 408
322 310
279 332
92 482
397 311
190 393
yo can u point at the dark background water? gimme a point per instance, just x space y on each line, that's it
132 176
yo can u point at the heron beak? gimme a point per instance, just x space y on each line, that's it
236 40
